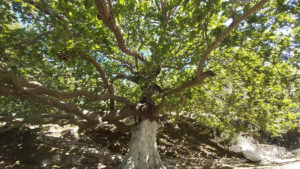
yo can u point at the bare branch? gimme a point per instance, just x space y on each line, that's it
51 12
126 64
90 116
105 14
53 103
30 41
78 93
200 76
102 73
157 4
231 27
37 37
8 73
95 118
112 117
107 84
6 91
134 79
196 81
36 88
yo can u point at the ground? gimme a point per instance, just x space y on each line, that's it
181 145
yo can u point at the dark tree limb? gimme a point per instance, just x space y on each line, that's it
48 11
196 81
231 27
8 91
107 84
105 14
53 103
112 117
134 79
200 76
78 93
36 38
36 88
26 42
126 64
54 13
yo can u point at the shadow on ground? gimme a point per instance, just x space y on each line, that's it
63 145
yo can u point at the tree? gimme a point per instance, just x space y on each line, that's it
111 60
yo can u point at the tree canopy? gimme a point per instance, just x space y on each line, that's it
230 64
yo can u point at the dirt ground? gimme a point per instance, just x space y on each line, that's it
184 145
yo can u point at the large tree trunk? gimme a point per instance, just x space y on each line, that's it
143 152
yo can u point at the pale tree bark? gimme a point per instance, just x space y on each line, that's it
143 148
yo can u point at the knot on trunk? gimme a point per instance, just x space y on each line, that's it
208 74
141 107
204 75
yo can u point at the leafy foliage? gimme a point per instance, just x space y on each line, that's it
257 66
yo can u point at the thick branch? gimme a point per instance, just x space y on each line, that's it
134 79
104 78
196 81
36 38
8 73
102 73
31 41
126 64
53 103
96 118
69 95
125 112
51 12
34 90
105 14
200 76
112 117
66 107
26 87
232 26
7 91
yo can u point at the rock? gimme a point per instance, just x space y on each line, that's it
296 153
248 147
45 163
252 156
205 131
56 159
254 151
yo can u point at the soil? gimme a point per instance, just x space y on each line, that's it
181 145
